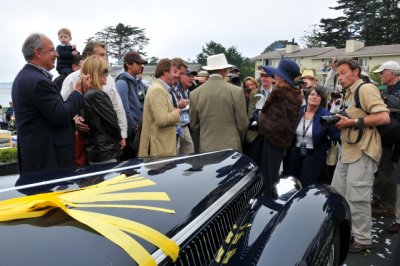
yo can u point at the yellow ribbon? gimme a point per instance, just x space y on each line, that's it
112 227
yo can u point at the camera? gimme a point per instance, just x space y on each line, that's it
234 79
299 83
336 95
140 95
303 149
331 120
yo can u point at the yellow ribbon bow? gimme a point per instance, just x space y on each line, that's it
112 227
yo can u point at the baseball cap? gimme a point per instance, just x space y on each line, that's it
389 65
190 72
134 57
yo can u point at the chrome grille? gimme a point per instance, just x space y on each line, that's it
203 247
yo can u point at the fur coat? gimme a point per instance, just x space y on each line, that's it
278 117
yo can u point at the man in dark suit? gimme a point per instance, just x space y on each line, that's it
218 110
44 121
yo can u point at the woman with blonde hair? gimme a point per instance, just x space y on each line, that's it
249 84
102 145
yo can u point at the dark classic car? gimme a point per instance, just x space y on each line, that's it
211 205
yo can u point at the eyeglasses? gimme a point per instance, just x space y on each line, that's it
314 95
105 72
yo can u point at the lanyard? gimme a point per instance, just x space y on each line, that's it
308 126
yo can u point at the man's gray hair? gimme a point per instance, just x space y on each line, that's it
31 43
395 72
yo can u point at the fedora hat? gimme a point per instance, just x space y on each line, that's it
288 70
216 62
308 74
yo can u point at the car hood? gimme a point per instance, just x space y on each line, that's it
193 184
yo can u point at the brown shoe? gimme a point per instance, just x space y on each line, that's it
394 228
356 247
383 212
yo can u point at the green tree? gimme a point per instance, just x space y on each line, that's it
233 56
310 39
276 45
247 68
153 60
121 39
211 48
377 22
334 32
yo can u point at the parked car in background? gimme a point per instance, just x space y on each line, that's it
209 209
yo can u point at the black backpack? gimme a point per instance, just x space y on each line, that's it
390 132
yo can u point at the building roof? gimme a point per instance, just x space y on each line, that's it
378 50
306 52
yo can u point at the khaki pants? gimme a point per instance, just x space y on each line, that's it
354 181
185 142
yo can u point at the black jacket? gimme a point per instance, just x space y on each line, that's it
105 134
65 59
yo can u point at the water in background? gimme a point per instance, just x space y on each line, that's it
5 94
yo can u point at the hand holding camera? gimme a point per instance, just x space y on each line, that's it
333 62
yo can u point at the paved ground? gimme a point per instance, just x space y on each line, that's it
382 246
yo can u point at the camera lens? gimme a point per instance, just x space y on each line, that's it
328 120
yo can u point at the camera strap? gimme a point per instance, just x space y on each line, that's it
305 129
360 125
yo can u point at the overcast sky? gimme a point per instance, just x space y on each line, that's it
176 28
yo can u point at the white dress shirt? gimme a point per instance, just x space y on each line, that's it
68 87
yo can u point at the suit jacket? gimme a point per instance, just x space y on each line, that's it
44 121
218 116
158 137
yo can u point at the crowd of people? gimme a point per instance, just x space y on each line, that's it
84 116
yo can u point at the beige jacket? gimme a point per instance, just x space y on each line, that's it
158 137
218 116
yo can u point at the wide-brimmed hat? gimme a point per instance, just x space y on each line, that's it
216 62
389 65
288 70
308 74
268 70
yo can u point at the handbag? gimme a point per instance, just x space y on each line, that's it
80 149
332 154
